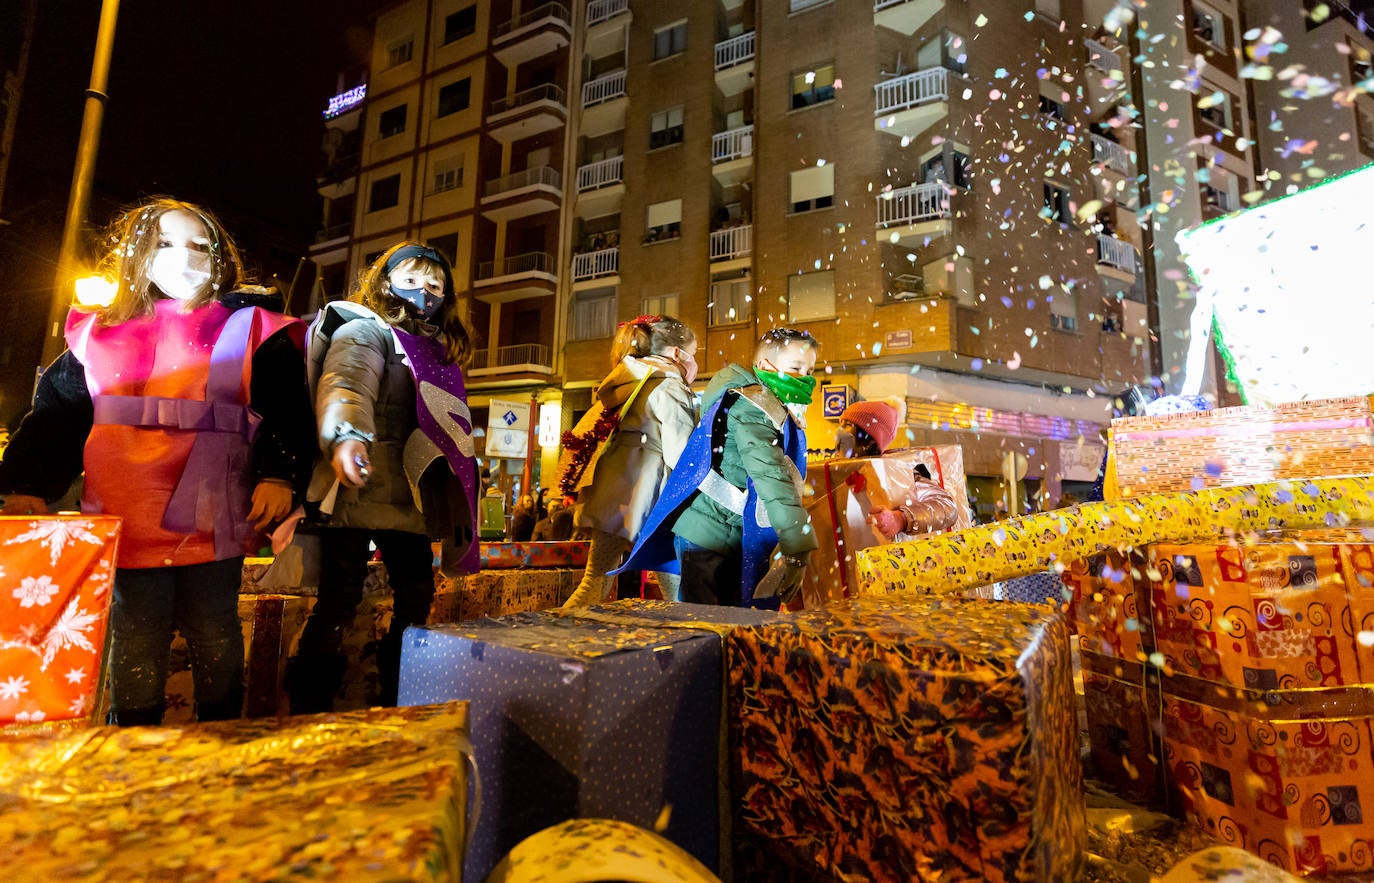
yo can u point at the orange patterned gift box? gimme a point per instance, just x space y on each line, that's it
55 580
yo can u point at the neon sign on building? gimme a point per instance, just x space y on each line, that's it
346 101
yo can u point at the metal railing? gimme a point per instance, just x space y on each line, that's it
732 144
735 50
917 202
1115 252
599 174
594 264
799 5
880 5
901 93
1102 56
732 242
334 231
605 10
555 11
506 356
603 88
1111 154
530 262
527 178
543 92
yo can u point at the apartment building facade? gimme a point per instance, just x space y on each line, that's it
942 191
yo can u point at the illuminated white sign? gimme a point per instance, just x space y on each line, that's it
346 101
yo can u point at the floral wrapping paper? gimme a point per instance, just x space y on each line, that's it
55 578
840 495
920 739
955 562
372 795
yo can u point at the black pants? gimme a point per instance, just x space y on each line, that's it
708 576
319 666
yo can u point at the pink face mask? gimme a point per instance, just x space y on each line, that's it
688 364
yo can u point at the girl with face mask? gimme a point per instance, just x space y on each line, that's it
186 405
396 465
654 365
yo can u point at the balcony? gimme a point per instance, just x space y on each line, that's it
533 274
735 64
914 214
528 113
1116 259
907 106
597 265
732 244
1102 57
539 32
603 104
600 187
905 16
606 24
1111 155
523 357
522 194
732 155
332 232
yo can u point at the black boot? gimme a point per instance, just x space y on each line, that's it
135 717
227 709
312 682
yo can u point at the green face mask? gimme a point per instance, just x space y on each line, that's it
792 390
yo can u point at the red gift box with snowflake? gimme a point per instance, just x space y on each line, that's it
56 574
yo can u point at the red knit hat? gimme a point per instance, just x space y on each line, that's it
877 418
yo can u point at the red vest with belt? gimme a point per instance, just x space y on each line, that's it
170 450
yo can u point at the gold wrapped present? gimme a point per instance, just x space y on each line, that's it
371 795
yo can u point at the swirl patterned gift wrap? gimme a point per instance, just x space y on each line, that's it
913 739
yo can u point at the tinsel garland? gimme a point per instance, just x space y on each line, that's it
582 447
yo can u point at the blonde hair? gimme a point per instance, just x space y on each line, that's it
649 336
372 289
133 241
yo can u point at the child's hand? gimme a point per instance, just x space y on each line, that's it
271 502
889 522
23 504
351 464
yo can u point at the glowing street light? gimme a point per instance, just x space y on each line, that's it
94 291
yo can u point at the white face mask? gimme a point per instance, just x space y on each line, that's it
180 272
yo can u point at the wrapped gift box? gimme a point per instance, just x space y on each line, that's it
576 718
53 611
912 739
1244 445
372 795
572 553
503 592
842 493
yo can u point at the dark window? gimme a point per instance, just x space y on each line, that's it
386 192
936 169
446 245
666 128
460 24
1057 204
455 96
670 41
1050 108
392 121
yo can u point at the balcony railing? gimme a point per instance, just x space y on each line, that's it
736 50
732 242
605 10
918 202
1111 154
556 11
527 178
334 231
880 5
799 5
595 264
603 88
543 92
506 356
734 144
1102 56
530 262
600 174
901 93
1115 252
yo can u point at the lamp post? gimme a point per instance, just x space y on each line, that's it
80 198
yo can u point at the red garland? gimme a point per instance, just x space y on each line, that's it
582 448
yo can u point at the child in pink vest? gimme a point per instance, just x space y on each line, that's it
186 405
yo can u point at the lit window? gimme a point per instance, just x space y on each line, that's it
730 301
1217 115
664 221
460 24
811 296
813 188
392 121
666 128
1057 207
670 40
447 174
401 51
455 96
813 86
953 170
385 193
661 305
593 315
1063 311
